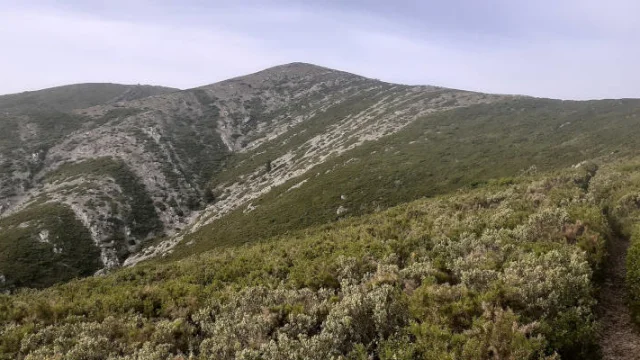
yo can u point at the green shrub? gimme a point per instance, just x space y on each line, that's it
633 274
54 247
475 275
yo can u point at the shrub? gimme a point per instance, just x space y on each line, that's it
633 274
476 275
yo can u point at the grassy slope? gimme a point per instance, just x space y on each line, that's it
26 260
504 268
437 154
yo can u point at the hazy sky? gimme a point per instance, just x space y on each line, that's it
574 49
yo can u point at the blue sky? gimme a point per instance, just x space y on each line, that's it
571 49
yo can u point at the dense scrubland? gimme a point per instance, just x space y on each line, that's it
507 270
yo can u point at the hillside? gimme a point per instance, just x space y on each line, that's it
503 271
435 154
138 172
305 212
181 172
32 123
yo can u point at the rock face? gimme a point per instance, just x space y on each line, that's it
137 163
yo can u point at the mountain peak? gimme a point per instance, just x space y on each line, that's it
299 68
286 72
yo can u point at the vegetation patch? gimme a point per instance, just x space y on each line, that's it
43 245
142 219
618 190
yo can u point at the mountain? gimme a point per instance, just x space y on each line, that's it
296 145
293 193
137 170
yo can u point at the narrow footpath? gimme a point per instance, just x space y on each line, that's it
619 338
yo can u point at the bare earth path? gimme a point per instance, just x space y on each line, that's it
619 339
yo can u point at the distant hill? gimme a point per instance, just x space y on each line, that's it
77 96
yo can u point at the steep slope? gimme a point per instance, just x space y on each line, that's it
36 250
310 114
32 122
43 245
434 154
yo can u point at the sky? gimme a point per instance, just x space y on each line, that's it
568 49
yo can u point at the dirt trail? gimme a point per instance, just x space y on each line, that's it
619 339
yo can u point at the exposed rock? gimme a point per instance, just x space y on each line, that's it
298 185
43 236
